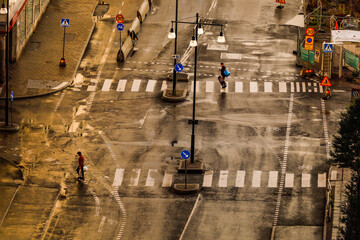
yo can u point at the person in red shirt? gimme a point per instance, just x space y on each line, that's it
81 161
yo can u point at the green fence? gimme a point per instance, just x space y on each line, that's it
307 56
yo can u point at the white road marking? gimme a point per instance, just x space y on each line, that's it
315 87
101 225
118 177
91 88
208 176
136 85
253 86
135 176
273 179
326 134
163 86
303 87
107 85
297 87
81 110
209 86
289 180
305 180
57 87
223 178
321 89
150 180
240 179
74 126
309 85
150 86
282 87
224 89
238 86
267 86
333 175
58 103
197 86
167 180
321 179
121 85
292 87
256 179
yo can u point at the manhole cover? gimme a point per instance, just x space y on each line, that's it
33 46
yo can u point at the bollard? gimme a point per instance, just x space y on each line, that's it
143 10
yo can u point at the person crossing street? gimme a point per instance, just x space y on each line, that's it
81 162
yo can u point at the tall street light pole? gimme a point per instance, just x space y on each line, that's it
175 48
7 67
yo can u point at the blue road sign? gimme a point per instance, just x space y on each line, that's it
65 22
185 154
179 67
12 96
120 26
328 47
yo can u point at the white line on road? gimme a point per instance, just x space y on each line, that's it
303 87
321 179
238 86
150 86
292 87
253 86
273 179
223 178
267 86
309 85
118 177
59 102
107 85
326 134
136 85
209 86
167 180
208 176
121 85
150 180
135 176
197 86
289 180
321 89
163 86
305 180
297 87
282 87
240 179
256 180
101 224
315 87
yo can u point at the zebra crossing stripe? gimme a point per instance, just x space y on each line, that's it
315 87
208 176
297 87
240 179
321 89
305 180
163 86
118 177
135 176
303 87
273 179
121 85
167 180
150 86
91 88
136 85
197 86
321 179
150 180
292 87
209 86
107 85
223 178
267 86
253 86
238 86
333 175
309 85
282 87
289 180
256 179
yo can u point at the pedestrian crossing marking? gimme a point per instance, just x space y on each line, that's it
223 178
136 85
305 180
304 87
197 86
91 88
121 85
238 86
292 87
333 175
118 177
150 180
222 90
167 180
209 86
107 85
309 85
297 87
282 87
289 180
135 176
267 86
208 176
256 179
253 86
150 86
240 179
163 86
321 89
273 179
321 179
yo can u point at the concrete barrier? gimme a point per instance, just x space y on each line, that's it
143 10
126 48
134 28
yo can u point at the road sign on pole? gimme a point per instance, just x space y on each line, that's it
185 154
120 26
309 43
179 67
328 47
120 18
310 31
325 82
12 96
65 22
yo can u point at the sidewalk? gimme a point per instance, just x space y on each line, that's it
37 71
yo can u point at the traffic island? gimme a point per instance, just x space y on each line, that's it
190 188
196 167
179 96
12 127
182 77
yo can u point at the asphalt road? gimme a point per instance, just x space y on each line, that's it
265 135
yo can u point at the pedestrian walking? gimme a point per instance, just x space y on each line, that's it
222 76
81 161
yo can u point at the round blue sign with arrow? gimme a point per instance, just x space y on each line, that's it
179 67
120 26
185 154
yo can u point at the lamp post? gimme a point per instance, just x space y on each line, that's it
194 43
175 49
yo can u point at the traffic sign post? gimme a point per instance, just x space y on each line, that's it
120 27
11 99
65 23
328 47
310 32
120 18
179 67
185 154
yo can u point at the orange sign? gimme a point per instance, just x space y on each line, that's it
281 1
120 18
310 31
325 82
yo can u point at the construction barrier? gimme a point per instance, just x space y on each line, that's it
125 50
134 28
143 10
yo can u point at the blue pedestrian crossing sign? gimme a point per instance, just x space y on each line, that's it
328 47
185 154
179 67
65 22
120 26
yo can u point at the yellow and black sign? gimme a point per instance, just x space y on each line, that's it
317 55
309 43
